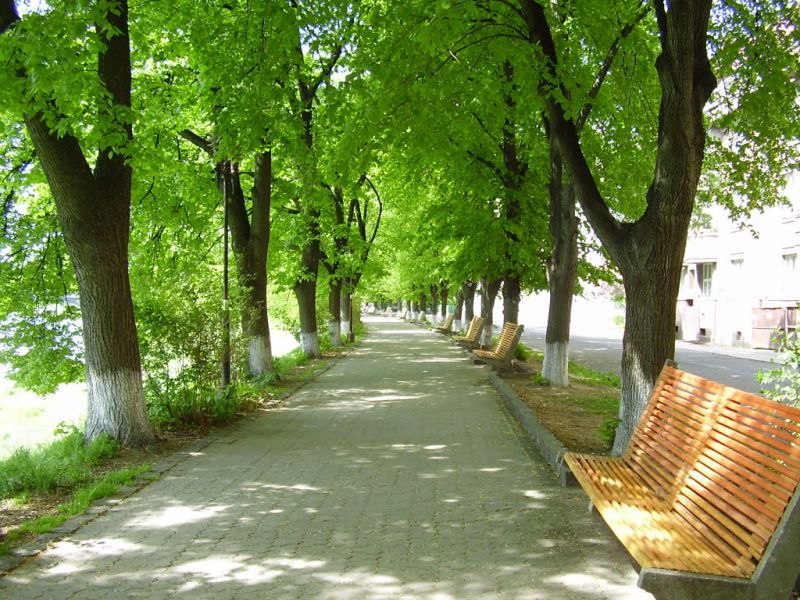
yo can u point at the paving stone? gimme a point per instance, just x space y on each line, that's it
395 474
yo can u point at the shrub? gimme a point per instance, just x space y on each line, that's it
783 383
608 430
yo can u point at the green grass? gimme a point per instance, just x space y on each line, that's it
591 376
63 463
83 496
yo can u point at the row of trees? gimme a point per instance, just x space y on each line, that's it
482 124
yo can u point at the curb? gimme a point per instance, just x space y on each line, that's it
22 553
551 449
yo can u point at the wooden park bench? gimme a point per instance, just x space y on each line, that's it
503 352
705 498
471 338
447 325
402 316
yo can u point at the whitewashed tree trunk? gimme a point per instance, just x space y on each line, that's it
335 333
259 355
309 344
556 363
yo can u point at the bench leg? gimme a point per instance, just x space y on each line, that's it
679 585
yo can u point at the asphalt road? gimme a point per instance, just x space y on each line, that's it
732 366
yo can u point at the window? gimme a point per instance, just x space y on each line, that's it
790 273
705 276
790 264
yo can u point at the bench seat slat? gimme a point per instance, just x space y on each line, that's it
705 481
651 533
758 493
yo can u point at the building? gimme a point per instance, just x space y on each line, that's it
741 285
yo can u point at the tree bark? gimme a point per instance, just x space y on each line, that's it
459 313
94 211
511 295
346 312
562 273
489 291
250 237
306 292
335 309
443 291
649 251
434 304
468 289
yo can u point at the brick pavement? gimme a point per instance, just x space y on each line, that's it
395 474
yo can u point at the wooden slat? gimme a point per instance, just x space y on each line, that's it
705 479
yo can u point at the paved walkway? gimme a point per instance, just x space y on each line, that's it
395 474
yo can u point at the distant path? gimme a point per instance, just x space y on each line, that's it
395 474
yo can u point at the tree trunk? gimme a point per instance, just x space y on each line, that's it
459 313
94 211
335 309
649 251
511 294
423 307
346 311
562 274
250 237
468 290
306 293
444 295
435 304
489 291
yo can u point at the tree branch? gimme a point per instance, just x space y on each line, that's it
199 141
597 211
605 67
380 213
496 171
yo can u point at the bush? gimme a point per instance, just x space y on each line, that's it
608 430
191 406
783 383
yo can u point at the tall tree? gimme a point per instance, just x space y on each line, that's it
562 265
649 251
93 206
250 232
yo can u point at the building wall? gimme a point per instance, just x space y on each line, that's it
740 284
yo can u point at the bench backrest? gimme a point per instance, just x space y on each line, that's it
728 461
474 329
448 322
508 340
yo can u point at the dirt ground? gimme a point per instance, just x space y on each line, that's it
560 409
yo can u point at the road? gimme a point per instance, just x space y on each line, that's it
736 367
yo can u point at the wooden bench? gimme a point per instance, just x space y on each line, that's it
402 316
447 325
500 356
471 338
705 498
